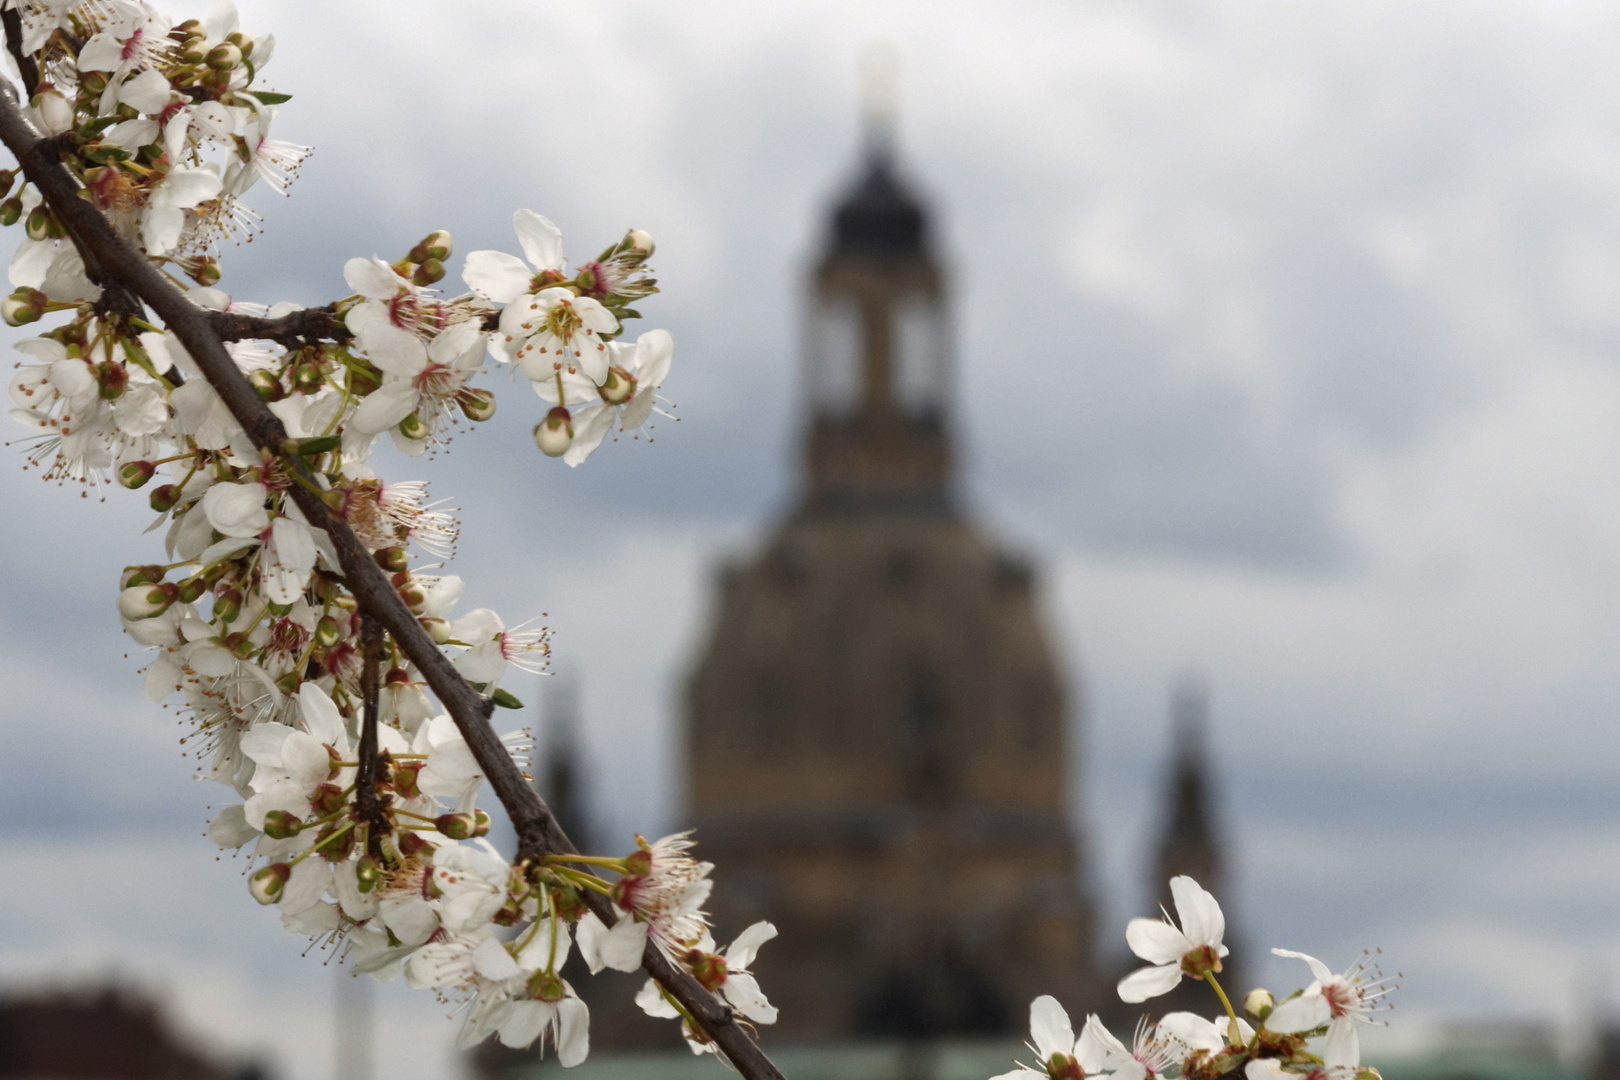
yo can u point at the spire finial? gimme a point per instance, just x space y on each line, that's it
880 97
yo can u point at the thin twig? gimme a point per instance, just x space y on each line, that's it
367 807
537 830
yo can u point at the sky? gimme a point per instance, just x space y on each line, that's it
1287 343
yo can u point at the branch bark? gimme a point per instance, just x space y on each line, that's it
537 830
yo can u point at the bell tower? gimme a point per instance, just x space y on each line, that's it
877 728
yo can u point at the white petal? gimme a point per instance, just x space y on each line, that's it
653 1002
654 351
742 990
1200 915
1156 941
1192 1029
542 241
1049 1027
236 509
522 1022
590 427
1299 1014
621 947
740 956
1148 982
573 1031
391 348
492 961
1096 1046
1319 970
307 885
230 829
495 274
412 919
640 407
102 52
306 760
386 406
372 279
1343 1044
147 92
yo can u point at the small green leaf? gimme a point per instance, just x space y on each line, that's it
270 97
505 700
319 444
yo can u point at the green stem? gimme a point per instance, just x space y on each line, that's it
1233 1036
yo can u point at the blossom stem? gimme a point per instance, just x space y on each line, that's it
312 849
616 865
579 877
1233 1035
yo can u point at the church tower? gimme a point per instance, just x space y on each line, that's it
878 731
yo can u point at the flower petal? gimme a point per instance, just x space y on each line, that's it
1299 1014
1049 1027
1200 915
495 274
542 241
1156 941
1148 982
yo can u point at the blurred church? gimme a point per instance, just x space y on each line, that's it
879 732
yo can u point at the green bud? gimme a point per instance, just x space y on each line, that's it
437 629
39 224
278 610
476 404
1259 1003
135 474
146 601
10 211
555 433
7 178
191 589
428 273
223 57
395 560
112 379
456 826
280 825
327 632
367 873
435 245
480 824
150 574
227 606
266 884
412 428
163 498
266 385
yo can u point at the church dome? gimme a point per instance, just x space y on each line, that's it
880 215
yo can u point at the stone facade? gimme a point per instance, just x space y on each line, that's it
879 733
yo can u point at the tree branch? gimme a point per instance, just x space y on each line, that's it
367 807
11 19
311 324
537 830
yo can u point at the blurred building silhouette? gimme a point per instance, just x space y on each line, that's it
878 730
99 1035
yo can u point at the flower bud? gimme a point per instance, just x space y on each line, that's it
392 559
367 873
241 41
164 497
456 826
280 825
266 385
38 224
11 211
150 574
435 245
480 824
145 601
193 51
223 57
428 273
135 474
437 629
227 606
327 632
240 645
1259 1003
307 376
55 110
7 178
1061 1066
477 404
192 588
362 379
618 387
639 241
396 676
266 884
327 800
17 312
555 433
412 428
112 379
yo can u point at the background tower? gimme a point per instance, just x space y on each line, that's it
878 732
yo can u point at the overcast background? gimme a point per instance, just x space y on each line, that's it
1289 340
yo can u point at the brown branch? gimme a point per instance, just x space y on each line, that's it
311 324
367 807
11 19
538 832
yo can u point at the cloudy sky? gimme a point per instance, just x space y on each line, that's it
1288 336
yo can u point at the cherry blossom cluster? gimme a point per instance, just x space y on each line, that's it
1271 1040
357 793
